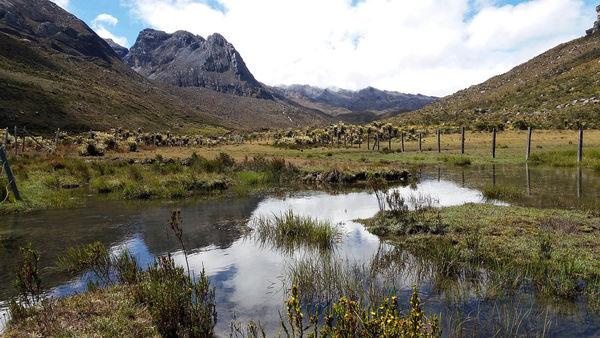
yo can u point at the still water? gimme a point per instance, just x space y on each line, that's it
250 277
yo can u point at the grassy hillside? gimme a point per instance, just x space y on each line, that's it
44 90
557 89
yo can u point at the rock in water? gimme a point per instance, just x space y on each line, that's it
187 60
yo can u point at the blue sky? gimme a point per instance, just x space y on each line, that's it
427 46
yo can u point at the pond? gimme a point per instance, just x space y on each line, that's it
250 277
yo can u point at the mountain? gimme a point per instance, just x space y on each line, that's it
56 72
557 89
187 60
118 49
355 106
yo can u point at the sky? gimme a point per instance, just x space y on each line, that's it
431 47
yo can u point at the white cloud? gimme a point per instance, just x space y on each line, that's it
99 25
427 46
62 3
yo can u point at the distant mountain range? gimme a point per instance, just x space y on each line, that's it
356 106
56 72
187 60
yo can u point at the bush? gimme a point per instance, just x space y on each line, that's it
179 306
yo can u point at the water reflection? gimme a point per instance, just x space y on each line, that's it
249 278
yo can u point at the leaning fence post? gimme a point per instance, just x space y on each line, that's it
528 148
439 146
420 142
9 175
494 143
462 140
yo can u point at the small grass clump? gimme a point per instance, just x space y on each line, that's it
501 192
289 231
457 160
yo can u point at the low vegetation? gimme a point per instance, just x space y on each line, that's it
290 232
555 251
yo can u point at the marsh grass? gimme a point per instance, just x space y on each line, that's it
501 192
567 158
552 251
289 232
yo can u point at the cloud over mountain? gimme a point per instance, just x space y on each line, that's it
432 47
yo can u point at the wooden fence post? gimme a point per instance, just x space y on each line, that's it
16 143
56 139
420 142
494 143
528 148
462 140
9 175
580 146
439 145
402 141
23 138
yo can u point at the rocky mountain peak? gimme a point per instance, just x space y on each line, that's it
53 28
119 50
596 27
187 60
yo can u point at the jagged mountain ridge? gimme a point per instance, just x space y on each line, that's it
187 60
56 72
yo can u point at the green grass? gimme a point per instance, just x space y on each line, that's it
107 312
290 232
551 249
501 192
567 158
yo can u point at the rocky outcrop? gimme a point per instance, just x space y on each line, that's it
53 28
119 50
187 60
596 27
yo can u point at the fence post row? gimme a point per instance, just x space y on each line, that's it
9 174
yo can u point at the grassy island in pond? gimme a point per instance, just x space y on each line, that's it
555 251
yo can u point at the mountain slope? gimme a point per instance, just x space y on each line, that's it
355 106
557 89
187 60
56 72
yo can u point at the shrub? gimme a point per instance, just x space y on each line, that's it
179 306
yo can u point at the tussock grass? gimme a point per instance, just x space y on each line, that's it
289 231
501 192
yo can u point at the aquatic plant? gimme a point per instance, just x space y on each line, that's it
28 284
289 231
